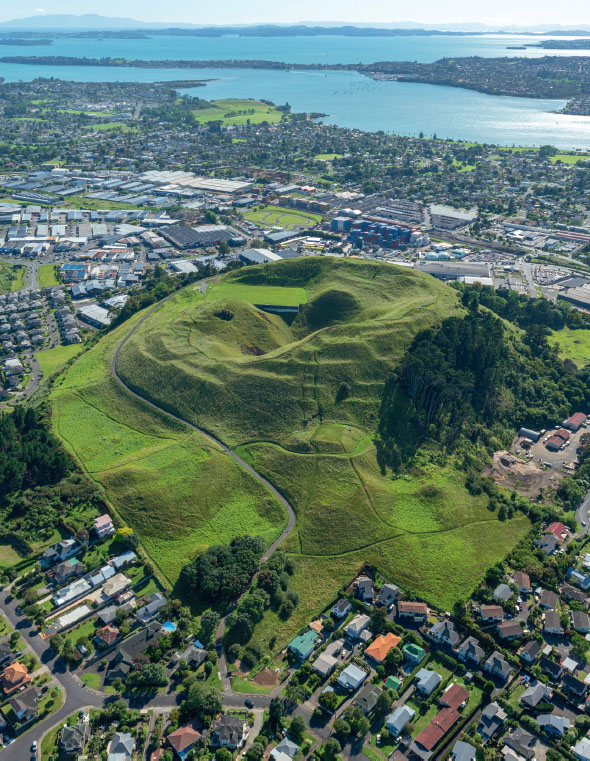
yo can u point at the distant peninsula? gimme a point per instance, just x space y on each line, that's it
17 42
551 77
582 44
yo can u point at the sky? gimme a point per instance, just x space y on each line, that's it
500 12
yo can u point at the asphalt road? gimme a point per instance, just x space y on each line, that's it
77 696
582 513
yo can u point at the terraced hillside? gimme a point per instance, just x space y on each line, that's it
301 401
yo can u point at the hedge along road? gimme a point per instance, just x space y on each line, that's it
290 512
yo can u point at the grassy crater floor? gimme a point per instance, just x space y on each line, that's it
297 399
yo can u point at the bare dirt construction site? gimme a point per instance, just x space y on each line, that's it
527 478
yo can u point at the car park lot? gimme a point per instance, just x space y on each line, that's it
539 454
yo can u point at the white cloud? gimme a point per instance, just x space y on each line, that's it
39 10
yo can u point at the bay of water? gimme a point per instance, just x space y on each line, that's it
350 99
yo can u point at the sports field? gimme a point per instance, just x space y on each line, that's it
572 344
238 111
279 216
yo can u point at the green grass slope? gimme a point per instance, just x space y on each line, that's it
176 490
301 402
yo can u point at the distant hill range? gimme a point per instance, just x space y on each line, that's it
67 23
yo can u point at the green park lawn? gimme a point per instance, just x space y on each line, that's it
568 158
572 344
12 277
238 111
52 359
259 294
46 277
279 216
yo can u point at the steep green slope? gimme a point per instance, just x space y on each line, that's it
178 491
247 379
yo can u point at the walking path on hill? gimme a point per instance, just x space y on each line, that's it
290 512
226 681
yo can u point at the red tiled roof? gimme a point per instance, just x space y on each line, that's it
454 696
557 529
183 738
446 718
429 736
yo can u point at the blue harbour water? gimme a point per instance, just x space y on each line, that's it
350 99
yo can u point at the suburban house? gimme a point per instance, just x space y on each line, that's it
557 529
553 669
502 593
6 653
582 750
522 743
357 626
509 630
121 747
463 752
73 739
552 724
547 543
388 595
572 593
302 646
523 582
63 550
578 578
147 612
192 655
552 624
444 633
71 592
130 648
497 666
66 570
396 721
576 687
342 608
532 696
427 681
413 653
286 750
548 600
470 651
182 740
454 696
24 705
366 699
352 677
580 621
326 662
429 737
126 558
491 614
530 652
228 732
412 611
107 635
491 719
378 650
14 676
103 526
365 590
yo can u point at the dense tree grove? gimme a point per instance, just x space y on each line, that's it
223 572
473 379
29 454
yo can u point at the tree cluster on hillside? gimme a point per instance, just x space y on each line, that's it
473 379
524 311
29 454
223 571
